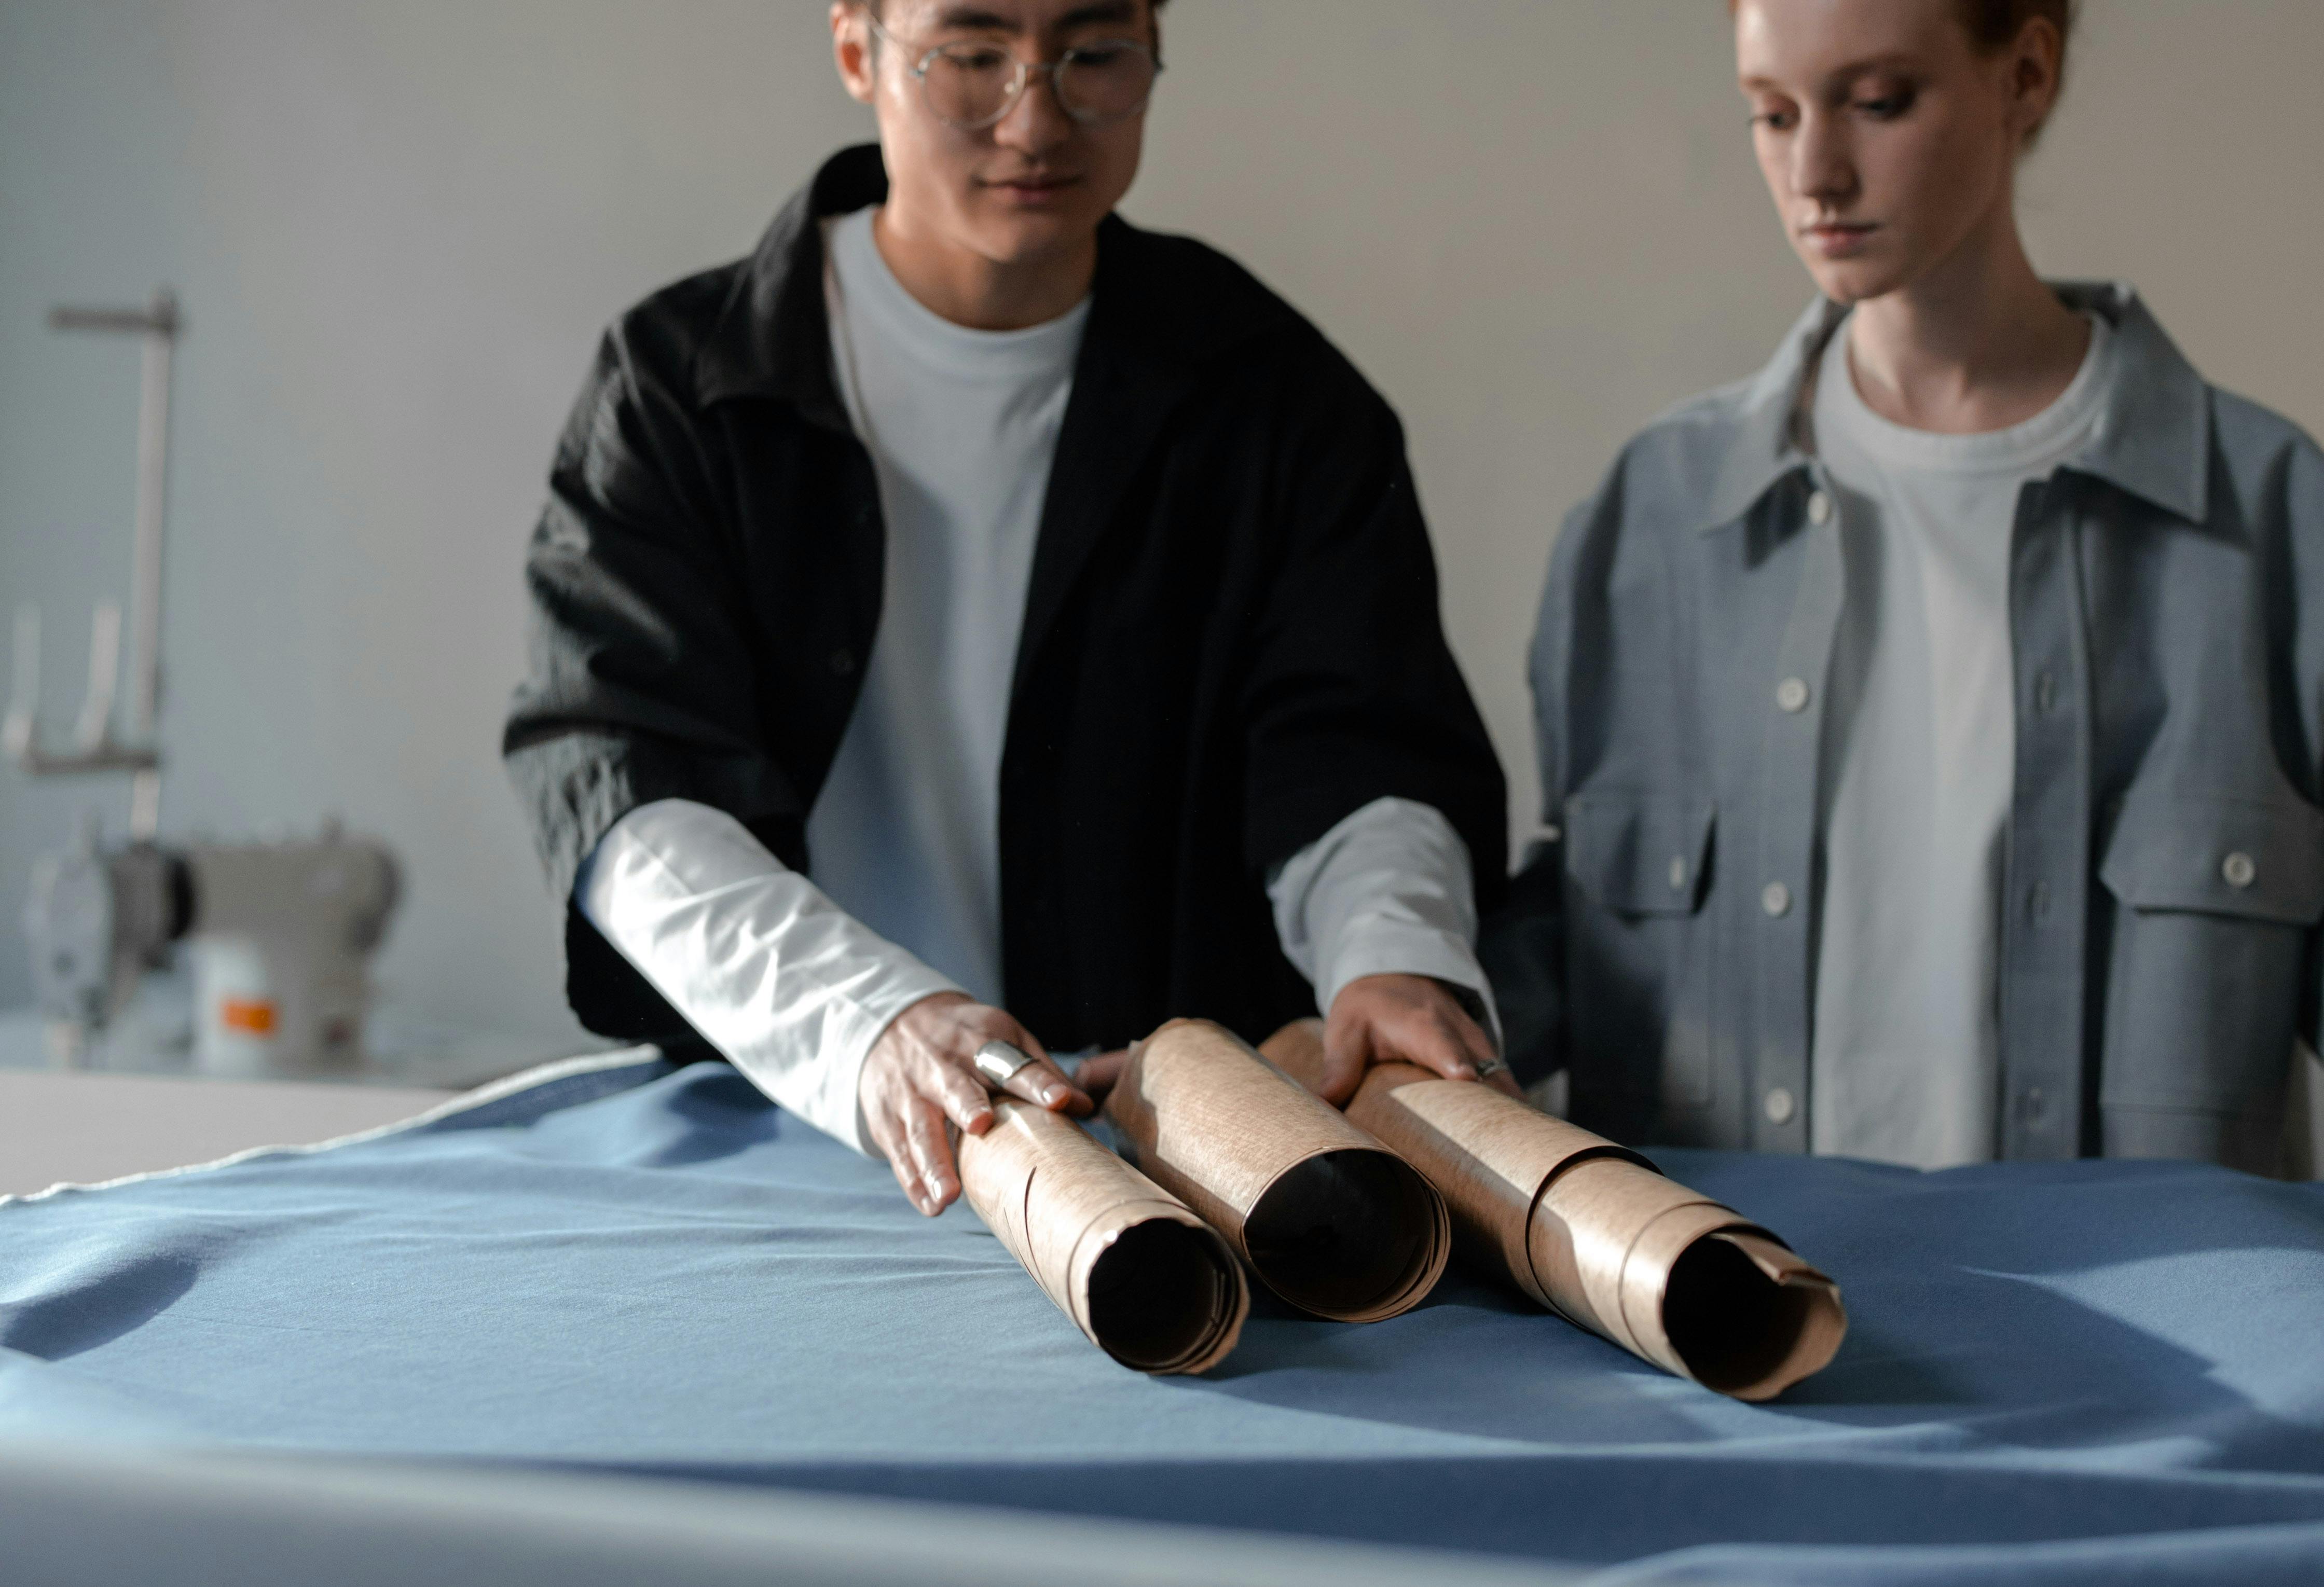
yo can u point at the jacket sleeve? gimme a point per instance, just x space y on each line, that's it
640 682
1353 695
1523 944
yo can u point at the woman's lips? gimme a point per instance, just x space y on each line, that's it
1840 240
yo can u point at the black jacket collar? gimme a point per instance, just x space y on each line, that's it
1161 305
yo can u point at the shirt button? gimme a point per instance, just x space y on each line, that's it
2045 693
1776 899
2035 1104
2238 868
1819 508
1793 694
1781 1105
2037 901
1678 872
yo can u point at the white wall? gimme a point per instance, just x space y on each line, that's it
398 224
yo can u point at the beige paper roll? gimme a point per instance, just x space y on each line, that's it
1328 1218
1593 1231
1150 1284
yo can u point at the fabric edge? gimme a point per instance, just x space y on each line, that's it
483 1096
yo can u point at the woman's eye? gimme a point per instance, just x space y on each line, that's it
1775 121
1887 107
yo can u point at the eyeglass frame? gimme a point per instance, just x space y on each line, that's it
1025 70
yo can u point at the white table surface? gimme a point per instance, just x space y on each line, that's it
86 1129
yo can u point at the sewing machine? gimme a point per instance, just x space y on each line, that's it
279 933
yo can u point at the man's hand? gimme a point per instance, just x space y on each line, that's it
1404 1019
920 1083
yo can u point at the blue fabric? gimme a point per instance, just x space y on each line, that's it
2074 1372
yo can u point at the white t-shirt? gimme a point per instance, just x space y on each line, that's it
1920 750
795 980
961 426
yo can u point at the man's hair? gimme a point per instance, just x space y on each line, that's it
876 7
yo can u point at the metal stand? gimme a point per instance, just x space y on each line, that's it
94 747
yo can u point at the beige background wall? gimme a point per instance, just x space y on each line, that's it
398 225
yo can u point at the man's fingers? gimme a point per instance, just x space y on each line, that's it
1018 1037
931 1152
1098 1076
888 1135
961 1095
1044 1084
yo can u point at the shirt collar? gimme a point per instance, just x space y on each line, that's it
1766 444
1152 307
2153 440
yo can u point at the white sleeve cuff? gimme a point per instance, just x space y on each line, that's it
793 990
1387 892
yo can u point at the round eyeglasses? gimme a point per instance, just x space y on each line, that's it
972 87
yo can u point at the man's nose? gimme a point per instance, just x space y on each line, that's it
1037 123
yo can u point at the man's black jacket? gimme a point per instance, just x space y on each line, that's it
1231 638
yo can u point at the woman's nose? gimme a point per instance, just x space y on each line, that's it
1823 167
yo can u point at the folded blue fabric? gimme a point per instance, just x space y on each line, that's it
2078 1373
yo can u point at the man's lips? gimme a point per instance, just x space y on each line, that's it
1032 192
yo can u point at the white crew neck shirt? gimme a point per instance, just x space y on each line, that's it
795 980
1919 761
961 426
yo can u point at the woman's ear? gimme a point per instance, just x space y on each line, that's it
2034 62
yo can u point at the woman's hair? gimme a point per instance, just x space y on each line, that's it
1995 24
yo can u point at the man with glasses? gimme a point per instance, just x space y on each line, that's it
1047 590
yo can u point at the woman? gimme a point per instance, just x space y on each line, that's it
1932 728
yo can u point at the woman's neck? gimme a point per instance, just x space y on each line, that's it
1977 344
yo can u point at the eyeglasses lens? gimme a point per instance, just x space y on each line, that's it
972 86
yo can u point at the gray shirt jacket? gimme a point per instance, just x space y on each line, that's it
2164 875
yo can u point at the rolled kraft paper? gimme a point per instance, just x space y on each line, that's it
1150 1284
1328 1218
1593 1231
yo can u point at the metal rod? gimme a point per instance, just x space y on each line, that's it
95 731
152 504
21 726
96 748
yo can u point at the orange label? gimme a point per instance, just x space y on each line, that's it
246 1014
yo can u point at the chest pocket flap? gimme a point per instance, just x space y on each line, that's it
1639 854
2258 860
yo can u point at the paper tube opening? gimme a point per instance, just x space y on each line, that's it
1163 1295
1740 1328
1355 1234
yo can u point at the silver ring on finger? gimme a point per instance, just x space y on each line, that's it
1492 1066
999 1062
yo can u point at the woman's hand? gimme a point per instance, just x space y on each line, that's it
921 1083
